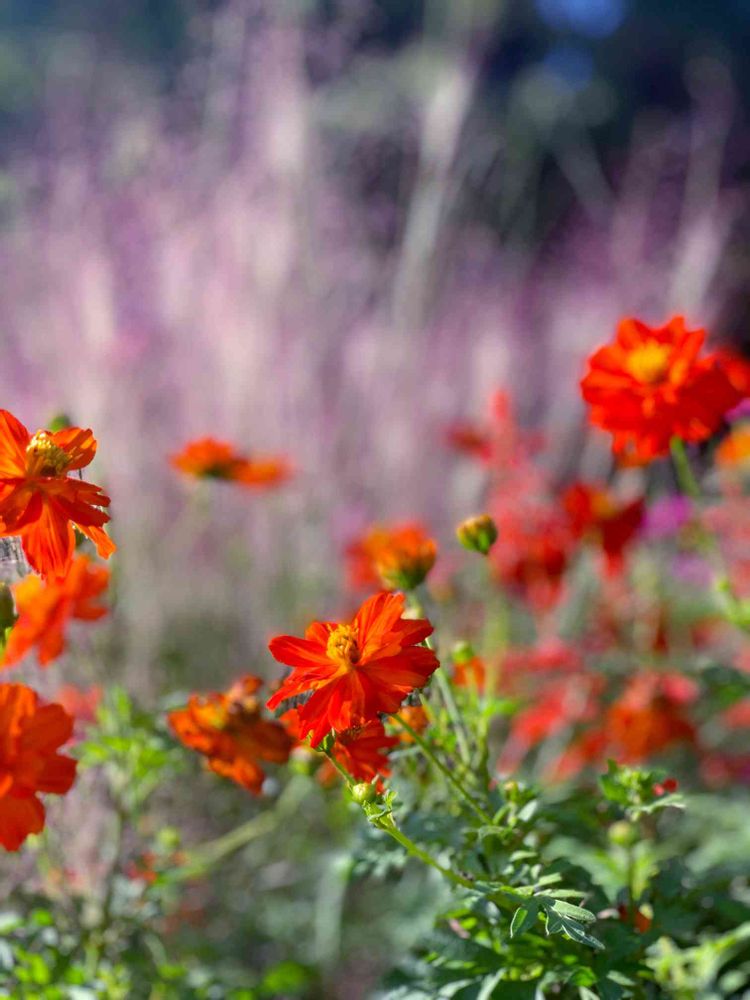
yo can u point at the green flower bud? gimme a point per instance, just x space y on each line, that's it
7 607
623 834
364 793
478 534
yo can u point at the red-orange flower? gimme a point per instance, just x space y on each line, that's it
532 552
354 671
470 673
651 385
734 450
30 736
650 716
598 515
41 502
44 610
229 730
362 751
208 458
396 556
415 717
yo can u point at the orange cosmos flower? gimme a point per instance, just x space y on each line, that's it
414 716
354 671
30 736
651 385
44 610
229 731
734 450
597 515
39 500
649 716
398 557
208 458
470 673
362 753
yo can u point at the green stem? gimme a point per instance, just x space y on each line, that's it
450 777
446 692
340 768
685 476
408 844
204 858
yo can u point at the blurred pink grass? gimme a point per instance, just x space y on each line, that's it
232 281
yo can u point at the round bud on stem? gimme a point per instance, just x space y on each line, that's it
7 608
364 792
478 534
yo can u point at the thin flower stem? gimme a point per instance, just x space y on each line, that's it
340 768
685 475
203 858
446 692
445 771
408 844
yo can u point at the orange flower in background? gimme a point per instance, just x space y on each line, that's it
45 609
498 441
40 501
30 736
651 385
734 450
649 716
229 730
398 556
357 670
596 514
470 673
414 716
208 458
362 753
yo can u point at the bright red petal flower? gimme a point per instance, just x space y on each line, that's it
596 515
354 671
651 385
45 609
208 458
30 736
362 751
41 502
229 730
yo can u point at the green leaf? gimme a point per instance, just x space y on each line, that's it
523 919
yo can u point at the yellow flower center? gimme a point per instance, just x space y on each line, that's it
649 363
44 457
343 647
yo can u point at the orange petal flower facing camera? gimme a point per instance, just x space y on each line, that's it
208 458
41 501
354 671
652 384
397 556
45 609
30 736
229 730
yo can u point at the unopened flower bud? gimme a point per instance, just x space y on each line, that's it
7 608
402 568
623 834
59 422
463 652
478 534
364 793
